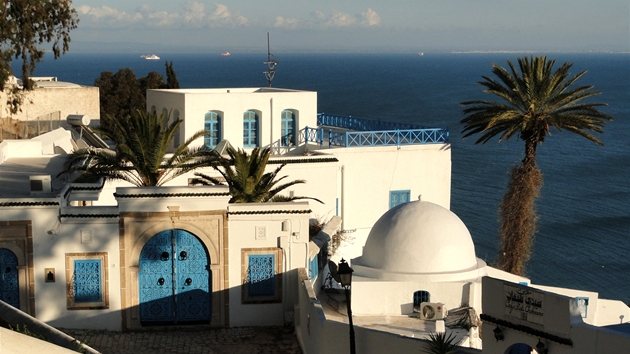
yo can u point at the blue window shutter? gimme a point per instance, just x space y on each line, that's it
212 124
313 267
261 275
287 128
419 297
399 197
250 129
87 280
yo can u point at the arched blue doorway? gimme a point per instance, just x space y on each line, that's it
520 348
9 286
174 280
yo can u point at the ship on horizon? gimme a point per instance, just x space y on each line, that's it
150 57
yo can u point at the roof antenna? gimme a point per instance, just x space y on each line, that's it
271 72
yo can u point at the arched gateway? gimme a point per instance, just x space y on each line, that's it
174 280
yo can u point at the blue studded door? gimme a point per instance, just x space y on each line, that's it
174 278
9 288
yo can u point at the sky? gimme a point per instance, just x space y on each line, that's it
344 25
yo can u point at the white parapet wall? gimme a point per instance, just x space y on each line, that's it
318 334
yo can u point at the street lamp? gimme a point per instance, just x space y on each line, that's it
345 275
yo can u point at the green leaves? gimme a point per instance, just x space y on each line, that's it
534 98
25 25
245 176
142 143
440 343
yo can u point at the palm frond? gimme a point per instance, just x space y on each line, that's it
533 98
440 343
141 145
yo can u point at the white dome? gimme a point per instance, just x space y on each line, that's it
419 238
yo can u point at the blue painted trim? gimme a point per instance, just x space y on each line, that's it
261 275
313 267
399 197
362 124
287 124
419 297
87 280
212 124
250 129
9 280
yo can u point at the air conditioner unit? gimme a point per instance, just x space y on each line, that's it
40 184
432 311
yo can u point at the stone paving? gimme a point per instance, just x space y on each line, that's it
241 340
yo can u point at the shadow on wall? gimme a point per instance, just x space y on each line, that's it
193 307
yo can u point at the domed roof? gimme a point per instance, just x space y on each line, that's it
419 238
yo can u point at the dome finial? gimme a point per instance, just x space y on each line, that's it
420 197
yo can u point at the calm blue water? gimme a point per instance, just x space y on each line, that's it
584 228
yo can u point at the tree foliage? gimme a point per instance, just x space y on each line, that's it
245 175
441 343
25 25
123 93
171 77
534 99
140 152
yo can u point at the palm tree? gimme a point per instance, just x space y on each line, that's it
245 175
440 343
534 99
139 157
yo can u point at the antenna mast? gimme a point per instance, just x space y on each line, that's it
271 72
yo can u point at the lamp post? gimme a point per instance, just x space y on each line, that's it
345 275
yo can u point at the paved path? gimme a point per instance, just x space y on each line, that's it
242 340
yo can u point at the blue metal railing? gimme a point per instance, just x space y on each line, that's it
362 124
373 138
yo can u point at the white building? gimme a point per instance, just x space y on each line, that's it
113 256
359 168
46 107
54 233
419 275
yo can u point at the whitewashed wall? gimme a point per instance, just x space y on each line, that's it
561 318
51 241
396 298
317 334
66 100
294 244
368 174
193 104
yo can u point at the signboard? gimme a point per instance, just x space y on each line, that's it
524 303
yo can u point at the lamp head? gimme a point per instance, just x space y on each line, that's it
345 273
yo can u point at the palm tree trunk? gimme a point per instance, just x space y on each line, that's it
517 213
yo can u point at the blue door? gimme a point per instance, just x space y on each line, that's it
174 280
9 289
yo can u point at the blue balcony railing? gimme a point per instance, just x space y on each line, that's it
322 136
362 124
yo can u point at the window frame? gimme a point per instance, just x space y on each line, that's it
251 123
246 255
211 126
72 303
396 194
287 128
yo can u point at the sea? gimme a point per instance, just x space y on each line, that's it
583 238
